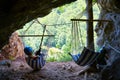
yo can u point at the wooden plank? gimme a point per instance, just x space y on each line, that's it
35 35
97 20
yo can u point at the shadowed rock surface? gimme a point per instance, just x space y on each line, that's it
109 33
16 13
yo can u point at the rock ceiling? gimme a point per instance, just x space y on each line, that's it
15 13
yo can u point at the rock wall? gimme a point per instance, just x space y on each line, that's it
109 33
14 49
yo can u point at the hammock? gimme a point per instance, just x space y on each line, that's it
77 42
39 62
87 56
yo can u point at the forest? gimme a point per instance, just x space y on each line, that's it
59 26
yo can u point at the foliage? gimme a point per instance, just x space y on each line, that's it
55 54
94 0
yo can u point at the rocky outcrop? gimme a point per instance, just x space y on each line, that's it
109 33
15 13
15 48
12 56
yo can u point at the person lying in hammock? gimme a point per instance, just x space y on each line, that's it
36 62
75 57
87 55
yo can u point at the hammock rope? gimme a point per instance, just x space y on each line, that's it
77 41
80 34
39 51
76 32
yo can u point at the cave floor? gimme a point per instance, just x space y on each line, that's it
51 71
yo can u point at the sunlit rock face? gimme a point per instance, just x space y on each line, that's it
16 13
15 48
109 33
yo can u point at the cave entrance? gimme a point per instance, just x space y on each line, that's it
58 22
